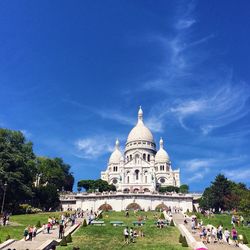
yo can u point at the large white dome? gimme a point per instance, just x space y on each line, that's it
116 156
161 156
140 132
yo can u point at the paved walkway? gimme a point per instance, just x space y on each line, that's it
40 239
179 219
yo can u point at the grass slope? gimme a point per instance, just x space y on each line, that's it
110 237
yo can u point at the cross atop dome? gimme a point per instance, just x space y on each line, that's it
140 114
117 143
161 143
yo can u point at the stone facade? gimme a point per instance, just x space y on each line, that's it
121 201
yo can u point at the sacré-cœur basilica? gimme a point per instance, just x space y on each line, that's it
137 175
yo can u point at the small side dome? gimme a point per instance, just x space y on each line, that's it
116 155
161 155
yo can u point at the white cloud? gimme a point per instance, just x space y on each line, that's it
197 164
155 124
216 109
196 177
116 116
185 23
95 146
26 133
240 174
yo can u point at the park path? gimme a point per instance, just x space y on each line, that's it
179 219
40 239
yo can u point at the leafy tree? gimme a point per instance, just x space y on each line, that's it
93 185
169 189
227 195
54 171
17 167
46 197
184 188
244 205
30 179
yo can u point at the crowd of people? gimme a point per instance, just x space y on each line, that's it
61 223
211 234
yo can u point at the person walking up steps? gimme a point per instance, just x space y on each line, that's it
227 235
235 236
61 231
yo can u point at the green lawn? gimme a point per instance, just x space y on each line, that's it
225 220
21 221
110 237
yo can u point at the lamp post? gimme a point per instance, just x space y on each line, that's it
4 193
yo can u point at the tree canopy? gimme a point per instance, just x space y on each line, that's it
30 179
182 189
95 185
226 195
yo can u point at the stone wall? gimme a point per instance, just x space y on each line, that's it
120 201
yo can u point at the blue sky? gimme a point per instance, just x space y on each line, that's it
72 75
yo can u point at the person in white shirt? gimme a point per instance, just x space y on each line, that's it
125 233
227 235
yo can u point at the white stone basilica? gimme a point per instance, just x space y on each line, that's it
141 168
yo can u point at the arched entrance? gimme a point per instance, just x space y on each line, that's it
133 206
105 207
146 190
161 207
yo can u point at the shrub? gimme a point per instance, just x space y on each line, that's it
180 238
76 248
172 223
184 242
69 238
245 241
38 224
63 242
100 216
84 224
7 237
28 209
162 216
